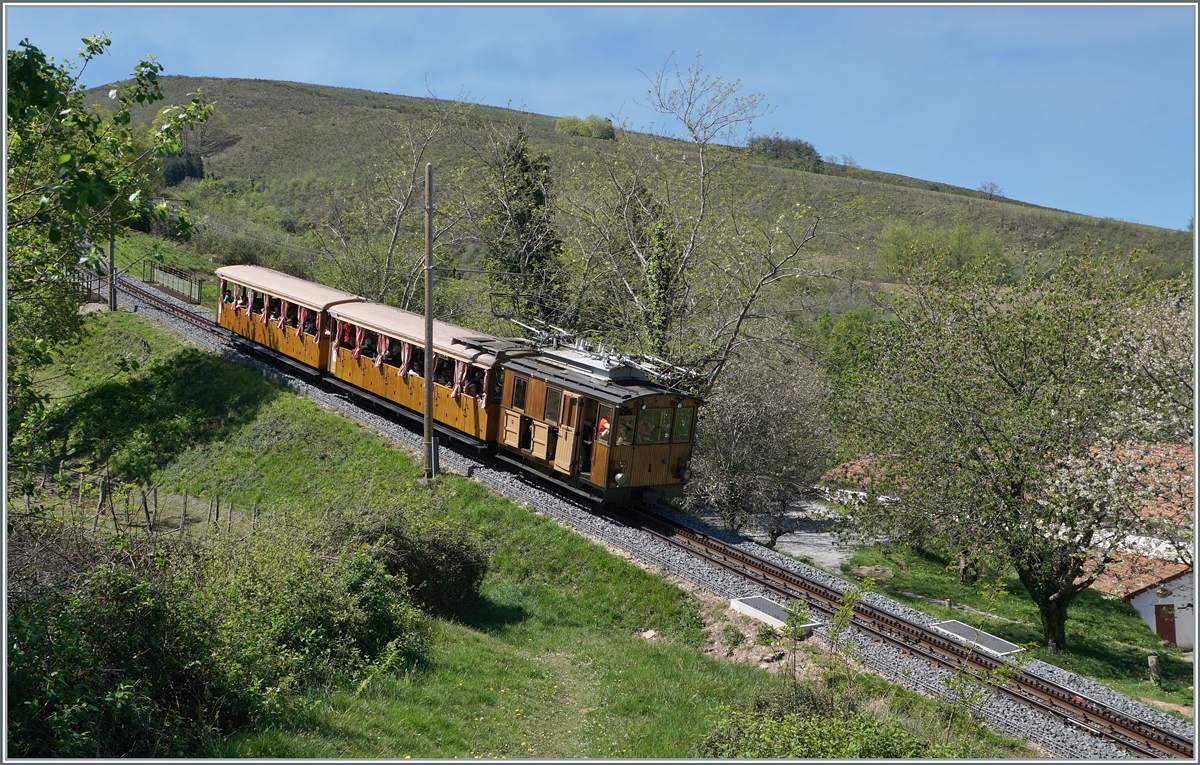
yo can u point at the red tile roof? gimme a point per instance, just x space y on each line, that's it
1130 575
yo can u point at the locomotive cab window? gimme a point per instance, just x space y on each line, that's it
520 388
655 426
553 404
625 429
683 425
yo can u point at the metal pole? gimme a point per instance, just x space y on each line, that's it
430 469
112 266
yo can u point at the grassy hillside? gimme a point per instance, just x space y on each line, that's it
553 660
287 136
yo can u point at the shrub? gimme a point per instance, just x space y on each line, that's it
176 644
759 735
122 666
765 636
594 126
292 613
443 564
732 636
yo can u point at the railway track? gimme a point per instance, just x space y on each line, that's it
1072 708
1068 705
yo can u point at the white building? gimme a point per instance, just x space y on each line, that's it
1162 592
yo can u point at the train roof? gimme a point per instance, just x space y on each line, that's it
603 378
448 339
287 287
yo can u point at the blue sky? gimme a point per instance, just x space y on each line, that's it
1087 109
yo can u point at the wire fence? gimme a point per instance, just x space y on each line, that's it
187 287
98 503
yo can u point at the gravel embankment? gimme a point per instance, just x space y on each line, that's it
1004 714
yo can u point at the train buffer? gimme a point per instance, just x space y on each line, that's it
977 638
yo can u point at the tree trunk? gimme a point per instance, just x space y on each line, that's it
1054 624
968 567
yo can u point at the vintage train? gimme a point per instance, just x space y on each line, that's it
587 420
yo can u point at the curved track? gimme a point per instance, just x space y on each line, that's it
1136 736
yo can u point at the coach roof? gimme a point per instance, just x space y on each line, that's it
448 339
286 287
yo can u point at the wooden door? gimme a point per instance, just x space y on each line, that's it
1164 622
541 439
512 428
564 454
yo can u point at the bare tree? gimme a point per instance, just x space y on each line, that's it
374 224
763 442
991 190
682 252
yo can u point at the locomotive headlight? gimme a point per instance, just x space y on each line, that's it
685 473
621 478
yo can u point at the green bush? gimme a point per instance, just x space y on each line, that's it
594 126
757 734
443 564
732 636
180 644
292 613
123 666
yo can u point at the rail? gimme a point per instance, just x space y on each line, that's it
1134 735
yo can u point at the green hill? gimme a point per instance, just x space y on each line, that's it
287 135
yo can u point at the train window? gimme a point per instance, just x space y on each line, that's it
553 403
625 429
520 385
683 425
655 427
604 426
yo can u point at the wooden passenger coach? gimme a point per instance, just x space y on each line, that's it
598 424
380 349
279 312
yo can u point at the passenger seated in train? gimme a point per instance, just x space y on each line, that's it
417 364
390 356
475 384
310 323
444 374
227 299
347 339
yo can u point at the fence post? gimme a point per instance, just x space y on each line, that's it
99 506
253 516
146 512
154 518
183 515
229 520
112 508
218 513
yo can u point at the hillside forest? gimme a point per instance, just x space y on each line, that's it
1003 377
